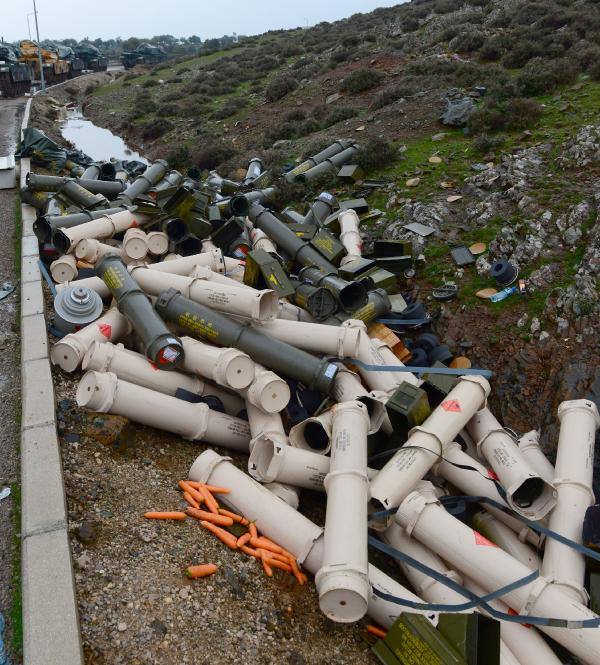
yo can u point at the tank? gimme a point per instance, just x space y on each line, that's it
144 54
91 56
66 54
15 76
56 70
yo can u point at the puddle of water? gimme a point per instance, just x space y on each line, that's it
99 143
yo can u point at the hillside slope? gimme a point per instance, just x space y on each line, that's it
525 166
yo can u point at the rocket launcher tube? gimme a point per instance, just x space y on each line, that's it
527 493
426 442
106 226
343 579
574 473
218 329
106 393
160 344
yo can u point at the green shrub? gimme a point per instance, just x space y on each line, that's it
483 143
375 153
168 111
229 108
361 80
338 114
493 49
521 54
210 155
467 41
340 56
280 87
156 128
149 83
510 114
540 76
295 115
594 71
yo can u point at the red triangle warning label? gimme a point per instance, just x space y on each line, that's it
134 224
451 405
482 540
105 329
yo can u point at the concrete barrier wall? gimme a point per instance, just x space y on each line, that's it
51 634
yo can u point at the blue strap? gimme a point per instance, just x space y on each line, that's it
47 277
475 600
402 322
486 373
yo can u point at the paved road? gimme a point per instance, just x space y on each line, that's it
11 111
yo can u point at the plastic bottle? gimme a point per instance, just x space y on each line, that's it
505 293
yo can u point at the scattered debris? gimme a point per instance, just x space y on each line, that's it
4 492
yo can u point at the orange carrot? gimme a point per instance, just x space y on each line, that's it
217 490
192 483
265 544
209 500
252 529
378 632
266 567
186 487
249 551
202 570
279 564
224 536
190 499
296 571
278 557
244 521
173 515
242 540
209 517
234 516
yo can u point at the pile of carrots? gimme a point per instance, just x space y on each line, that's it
204 507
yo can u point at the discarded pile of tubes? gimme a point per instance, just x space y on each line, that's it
247 337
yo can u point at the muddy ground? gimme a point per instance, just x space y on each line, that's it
11 112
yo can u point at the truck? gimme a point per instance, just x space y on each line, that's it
92 57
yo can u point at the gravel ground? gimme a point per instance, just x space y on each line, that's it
135 604
10 379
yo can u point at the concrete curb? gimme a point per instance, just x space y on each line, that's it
51 634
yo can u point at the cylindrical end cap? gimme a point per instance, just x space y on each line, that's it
238 369
343 595
64 269
96 391
269 393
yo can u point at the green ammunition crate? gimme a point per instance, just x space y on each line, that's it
328 245
413 640
262 271
475 636
354 269
438 386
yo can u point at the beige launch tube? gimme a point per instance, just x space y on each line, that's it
527 493
92 250
343 579
291 312
135 244
314 433
491 567
69 351
260 240
259 305
94 283
183 265
64 269
104 227
136 368
225 366
426 587
528 646
349 235
292 530
268 392
479 483
106 393
202 272
574 473
375 352
506 538
340 341
529 445
426 442
158 243
512 634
